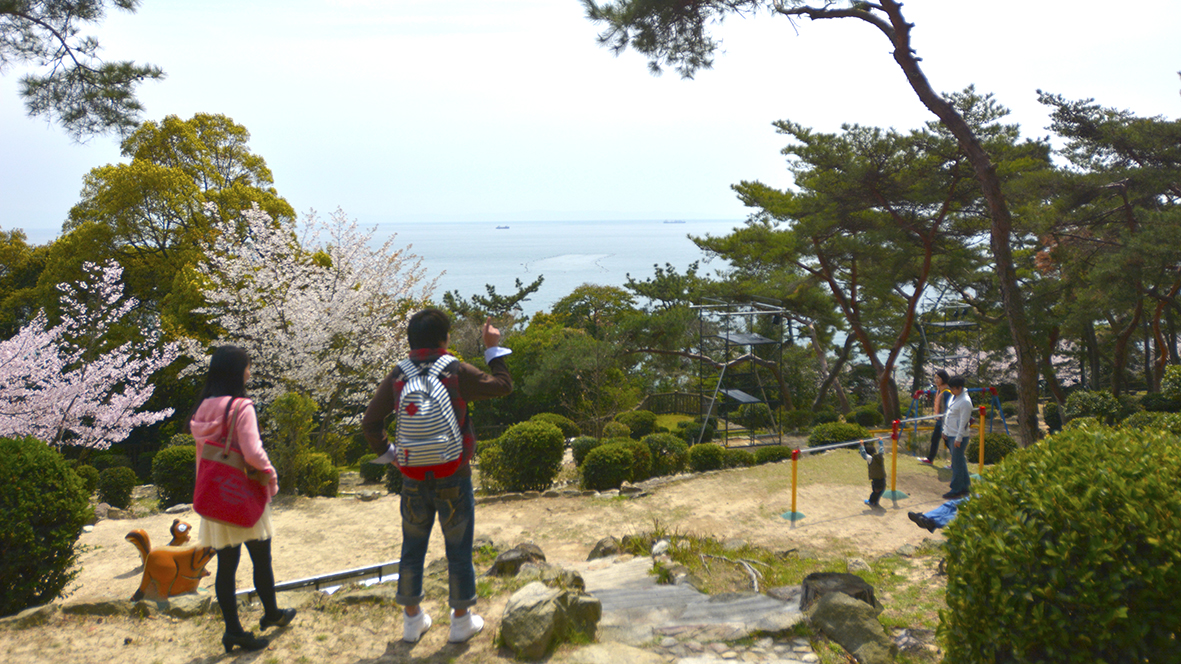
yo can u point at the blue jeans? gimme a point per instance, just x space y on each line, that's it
455 503
943 514
961 481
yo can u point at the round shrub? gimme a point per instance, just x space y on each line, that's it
315 475
639 422
607 467
531 456
44 505
1052 416
735 458
831 433
706 456
393 478
794 420
1009 408
997 446
108 459
581 446
1170 422
616 430
567 425
1170 384
115 485
1082 556
755 416
1145 419
772 454
1159 403
641 460
89 475
670 454
824 417
690 431
1101 405
866 416
371 473
174 472
181 440
1084 424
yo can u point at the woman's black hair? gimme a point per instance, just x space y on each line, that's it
942 376
225 378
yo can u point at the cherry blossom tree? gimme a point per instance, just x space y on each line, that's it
73 383
323 317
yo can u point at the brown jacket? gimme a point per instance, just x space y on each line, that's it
464 383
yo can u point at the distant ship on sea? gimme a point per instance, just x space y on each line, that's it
499 228
674 221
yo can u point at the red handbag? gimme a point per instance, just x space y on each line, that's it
228 489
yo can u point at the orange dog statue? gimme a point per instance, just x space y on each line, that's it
173 569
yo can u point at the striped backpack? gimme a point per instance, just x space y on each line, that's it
427 432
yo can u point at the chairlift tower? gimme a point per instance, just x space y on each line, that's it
727 333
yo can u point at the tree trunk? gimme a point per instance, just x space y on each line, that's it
1091 341
1120 355
1048 372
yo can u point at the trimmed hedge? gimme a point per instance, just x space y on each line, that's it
836 432
1101 405
640 423
670 454
997 446
607 466
755 416
115 485
174 472
772 454
706 456
1052 416
794 420
615 429
641 460
581 446
1158 402
89 475
567 425
866 416
1081 556
530 456
736 458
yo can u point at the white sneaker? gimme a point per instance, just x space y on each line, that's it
413 627
465 627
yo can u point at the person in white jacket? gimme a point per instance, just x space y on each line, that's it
956 425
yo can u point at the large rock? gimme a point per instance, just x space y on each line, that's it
854 625
820 584
188 605
510 562
538 617
608 546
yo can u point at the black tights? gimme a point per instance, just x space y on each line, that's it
226 581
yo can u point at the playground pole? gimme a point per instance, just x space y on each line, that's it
893 494
982 409
793 515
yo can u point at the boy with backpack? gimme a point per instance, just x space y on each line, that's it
877 473
434 442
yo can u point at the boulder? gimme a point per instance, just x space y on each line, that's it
188 605
819 584
538 617
855 565
178 508
510 562
608 546
854 625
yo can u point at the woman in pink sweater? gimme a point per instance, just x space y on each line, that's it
223 397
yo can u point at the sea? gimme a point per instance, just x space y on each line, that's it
567 253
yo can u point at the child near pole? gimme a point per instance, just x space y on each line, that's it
877 473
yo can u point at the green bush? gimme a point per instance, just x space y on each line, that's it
1101 405
616 430
567 425
181 440
115 485
393 478
689 431
997 446
706 456
755 416
290 423
89 475
315 475
1084 424
641 461
1158 402
174 472
794 420
1080 538
1145 419
1009 408
831 433
1170 385
44 505
866 416
355 447
1170 422
531 456
824 417
670 454
772 454
736 458
371 473
581 446
607 466
639 422
108 459
1052 416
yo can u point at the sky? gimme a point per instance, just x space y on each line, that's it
419 111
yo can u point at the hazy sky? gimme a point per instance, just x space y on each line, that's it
422 110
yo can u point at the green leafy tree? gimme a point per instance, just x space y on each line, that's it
676 33
77 89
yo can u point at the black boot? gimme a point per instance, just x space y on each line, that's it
281 618
245 641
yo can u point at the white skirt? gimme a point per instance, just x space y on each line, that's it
220 535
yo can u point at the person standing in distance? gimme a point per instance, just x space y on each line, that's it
942 394
442 486
955 433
